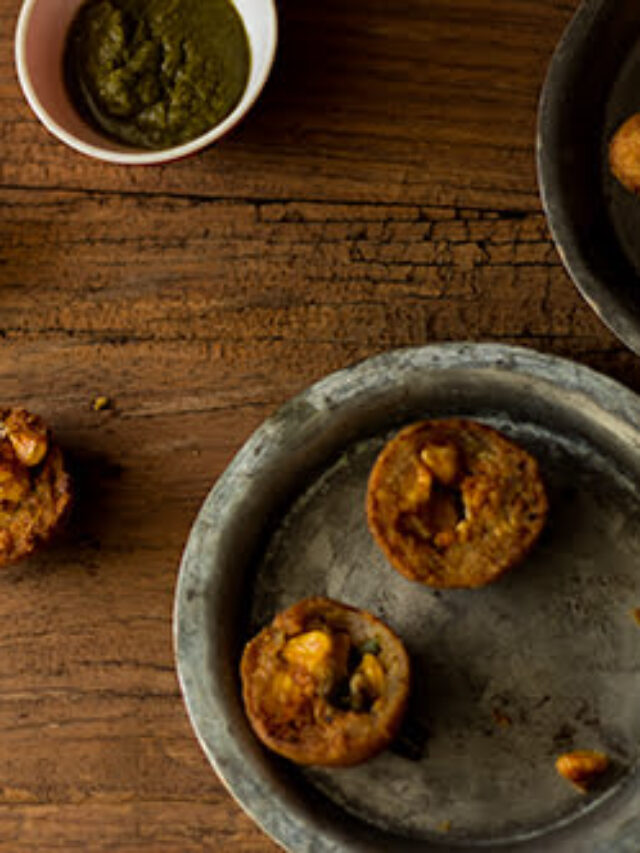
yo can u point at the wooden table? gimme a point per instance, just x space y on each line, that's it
381 194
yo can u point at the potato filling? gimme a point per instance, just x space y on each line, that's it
433 505
327 664
28 437
23 445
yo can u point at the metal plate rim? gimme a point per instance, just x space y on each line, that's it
264 807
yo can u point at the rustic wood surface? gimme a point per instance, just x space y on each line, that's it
381 194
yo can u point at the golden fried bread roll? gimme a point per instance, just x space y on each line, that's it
325 683
624 154
454 503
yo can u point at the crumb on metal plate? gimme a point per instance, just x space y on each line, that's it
582 767
500 718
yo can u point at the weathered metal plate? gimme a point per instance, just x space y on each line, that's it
505 678
591 87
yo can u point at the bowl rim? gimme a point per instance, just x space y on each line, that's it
605 303
135 156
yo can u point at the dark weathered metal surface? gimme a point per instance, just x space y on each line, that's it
505 678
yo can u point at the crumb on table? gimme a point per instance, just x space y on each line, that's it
100 403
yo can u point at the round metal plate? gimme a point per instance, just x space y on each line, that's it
504 678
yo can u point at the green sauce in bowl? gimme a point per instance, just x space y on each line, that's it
156 73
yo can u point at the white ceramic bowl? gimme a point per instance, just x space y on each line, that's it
39 45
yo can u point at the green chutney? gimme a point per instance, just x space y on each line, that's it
156 73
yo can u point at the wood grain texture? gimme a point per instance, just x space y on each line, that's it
381 194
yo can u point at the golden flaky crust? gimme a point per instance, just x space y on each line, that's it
624 154
454 503
35 489
325 683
